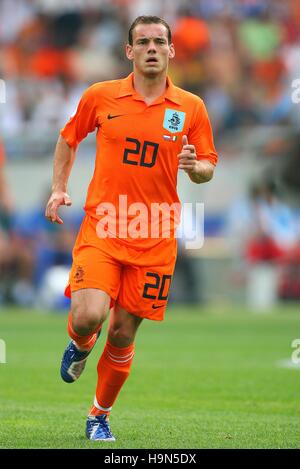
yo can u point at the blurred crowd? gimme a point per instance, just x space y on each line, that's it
240 56
265 234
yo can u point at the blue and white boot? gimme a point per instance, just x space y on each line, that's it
73 362
97 428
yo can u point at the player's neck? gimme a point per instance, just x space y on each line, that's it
149 88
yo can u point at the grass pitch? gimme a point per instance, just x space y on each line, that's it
199 380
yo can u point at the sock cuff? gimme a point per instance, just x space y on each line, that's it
119 355
99 407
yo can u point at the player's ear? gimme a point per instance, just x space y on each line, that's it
171 51
129 52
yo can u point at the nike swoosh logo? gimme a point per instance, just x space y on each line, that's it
113 117
156 306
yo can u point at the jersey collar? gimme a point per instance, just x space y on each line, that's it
127 89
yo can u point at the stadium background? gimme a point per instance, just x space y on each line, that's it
243 58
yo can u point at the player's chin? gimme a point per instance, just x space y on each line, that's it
150 74
152 68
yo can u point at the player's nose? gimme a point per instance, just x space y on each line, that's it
151 47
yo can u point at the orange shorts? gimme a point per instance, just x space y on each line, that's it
138 280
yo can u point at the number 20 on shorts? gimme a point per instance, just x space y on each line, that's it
160 284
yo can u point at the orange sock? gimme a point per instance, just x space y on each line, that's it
84 342
113 370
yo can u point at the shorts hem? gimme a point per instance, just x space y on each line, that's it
93 285
140 315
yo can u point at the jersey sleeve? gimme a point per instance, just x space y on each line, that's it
83 121
201 135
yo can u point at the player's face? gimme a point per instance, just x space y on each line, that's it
150 51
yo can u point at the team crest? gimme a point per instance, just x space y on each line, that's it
79 274
174 120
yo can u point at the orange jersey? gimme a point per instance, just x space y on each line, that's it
137 148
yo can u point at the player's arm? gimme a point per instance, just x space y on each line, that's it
83 122
63 161
198 156
199 171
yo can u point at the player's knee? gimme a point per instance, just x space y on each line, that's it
120 336
84 326
86 321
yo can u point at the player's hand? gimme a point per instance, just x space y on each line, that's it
57 199
187 159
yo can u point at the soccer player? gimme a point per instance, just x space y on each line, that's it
147 129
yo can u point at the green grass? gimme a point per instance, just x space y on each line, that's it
199 380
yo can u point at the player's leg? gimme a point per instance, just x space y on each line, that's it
94 279
123 327
116 360
113 370
89 309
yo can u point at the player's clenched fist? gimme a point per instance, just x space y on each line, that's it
57 198
187 159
